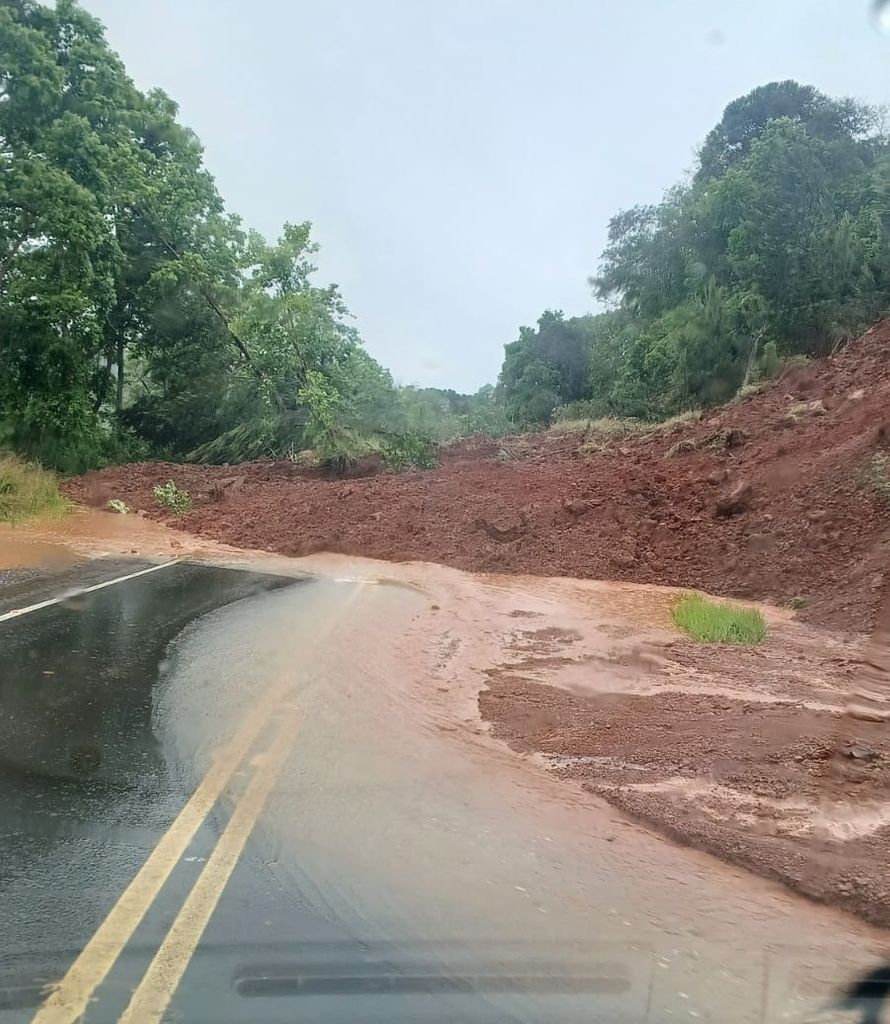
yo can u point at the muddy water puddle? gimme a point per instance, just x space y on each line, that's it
18 551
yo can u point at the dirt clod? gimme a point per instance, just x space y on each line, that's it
738 500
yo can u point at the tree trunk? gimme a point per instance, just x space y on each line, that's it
749 369
119 396
102 389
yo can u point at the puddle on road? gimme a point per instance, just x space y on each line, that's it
91 533
20 551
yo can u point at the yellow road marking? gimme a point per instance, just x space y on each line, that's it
162 978
68 1000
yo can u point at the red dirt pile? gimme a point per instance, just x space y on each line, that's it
772 497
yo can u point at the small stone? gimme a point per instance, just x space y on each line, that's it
761 542
576 506
858 753
624 559
738 500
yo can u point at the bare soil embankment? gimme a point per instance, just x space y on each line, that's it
807 525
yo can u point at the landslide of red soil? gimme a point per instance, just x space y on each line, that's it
814 527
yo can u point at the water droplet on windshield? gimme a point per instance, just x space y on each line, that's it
880 16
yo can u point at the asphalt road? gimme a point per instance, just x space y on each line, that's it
219 802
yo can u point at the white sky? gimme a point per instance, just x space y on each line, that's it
460 160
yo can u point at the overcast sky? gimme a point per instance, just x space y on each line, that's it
460 160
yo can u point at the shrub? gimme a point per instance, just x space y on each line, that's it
769 361
170 496
582 409
717 623
116 505
403 452
338 449
746 390
26 490
687 416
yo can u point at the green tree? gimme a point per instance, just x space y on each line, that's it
547 366
746 118
778 245
103 193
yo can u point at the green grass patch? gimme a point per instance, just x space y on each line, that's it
716 623
604 427
28 490
688 416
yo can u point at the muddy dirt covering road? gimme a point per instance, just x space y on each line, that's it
745 753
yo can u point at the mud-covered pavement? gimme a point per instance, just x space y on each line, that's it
403 849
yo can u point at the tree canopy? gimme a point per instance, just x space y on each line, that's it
776 246
136 315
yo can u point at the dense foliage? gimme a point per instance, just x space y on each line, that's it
778 245
136 315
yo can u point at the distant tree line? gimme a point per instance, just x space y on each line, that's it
777 246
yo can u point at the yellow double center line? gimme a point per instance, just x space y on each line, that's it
163 975
68 1001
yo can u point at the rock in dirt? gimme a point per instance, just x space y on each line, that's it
761 542
576 506
502 534
860 753
738 500
624 559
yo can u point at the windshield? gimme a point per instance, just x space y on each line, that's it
444 512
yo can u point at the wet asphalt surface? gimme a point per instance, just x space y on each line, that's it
86 793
